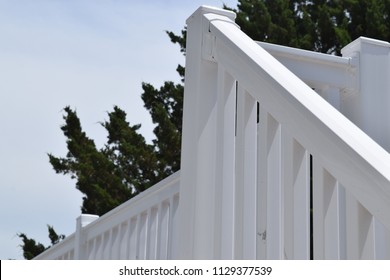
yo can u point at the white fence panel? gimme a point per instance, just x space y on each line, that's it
295 125
142 228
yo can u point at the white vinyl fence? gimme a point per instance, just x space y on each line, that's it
142 228
276 163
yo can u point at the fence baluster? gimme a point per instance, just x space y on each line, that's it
296 188
328 210
246 176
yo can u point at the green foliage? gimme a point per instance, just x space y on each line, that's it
97 177
301 24
53 236
319 25
126 165
181 41
31 248
368 18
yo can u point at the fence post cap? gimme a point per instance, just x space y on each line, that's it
212 10
85 219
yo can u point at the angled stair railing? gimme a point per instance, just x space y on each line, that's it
259 145
270 169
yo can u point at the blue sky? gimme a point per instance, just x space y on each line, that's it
90 55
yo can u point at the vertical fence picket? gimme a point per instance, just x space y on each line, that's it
352 225
133 238
91 249
107 242
152 237
361 231
148 234
142 231
246 175
288 169
273 174
115 242
173 227
296 188
328 210
99 248
366 234
124 240
261 221
158 231
163 232
224 199
270 192
169 231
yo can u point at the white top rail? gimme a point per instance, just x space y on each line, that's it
318 70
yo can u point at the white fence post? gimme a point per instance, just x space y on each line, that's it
81 221
199 223
369 108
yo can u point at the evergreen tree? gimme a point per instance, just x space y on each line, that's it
97 177
31 248
319 25
368 18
